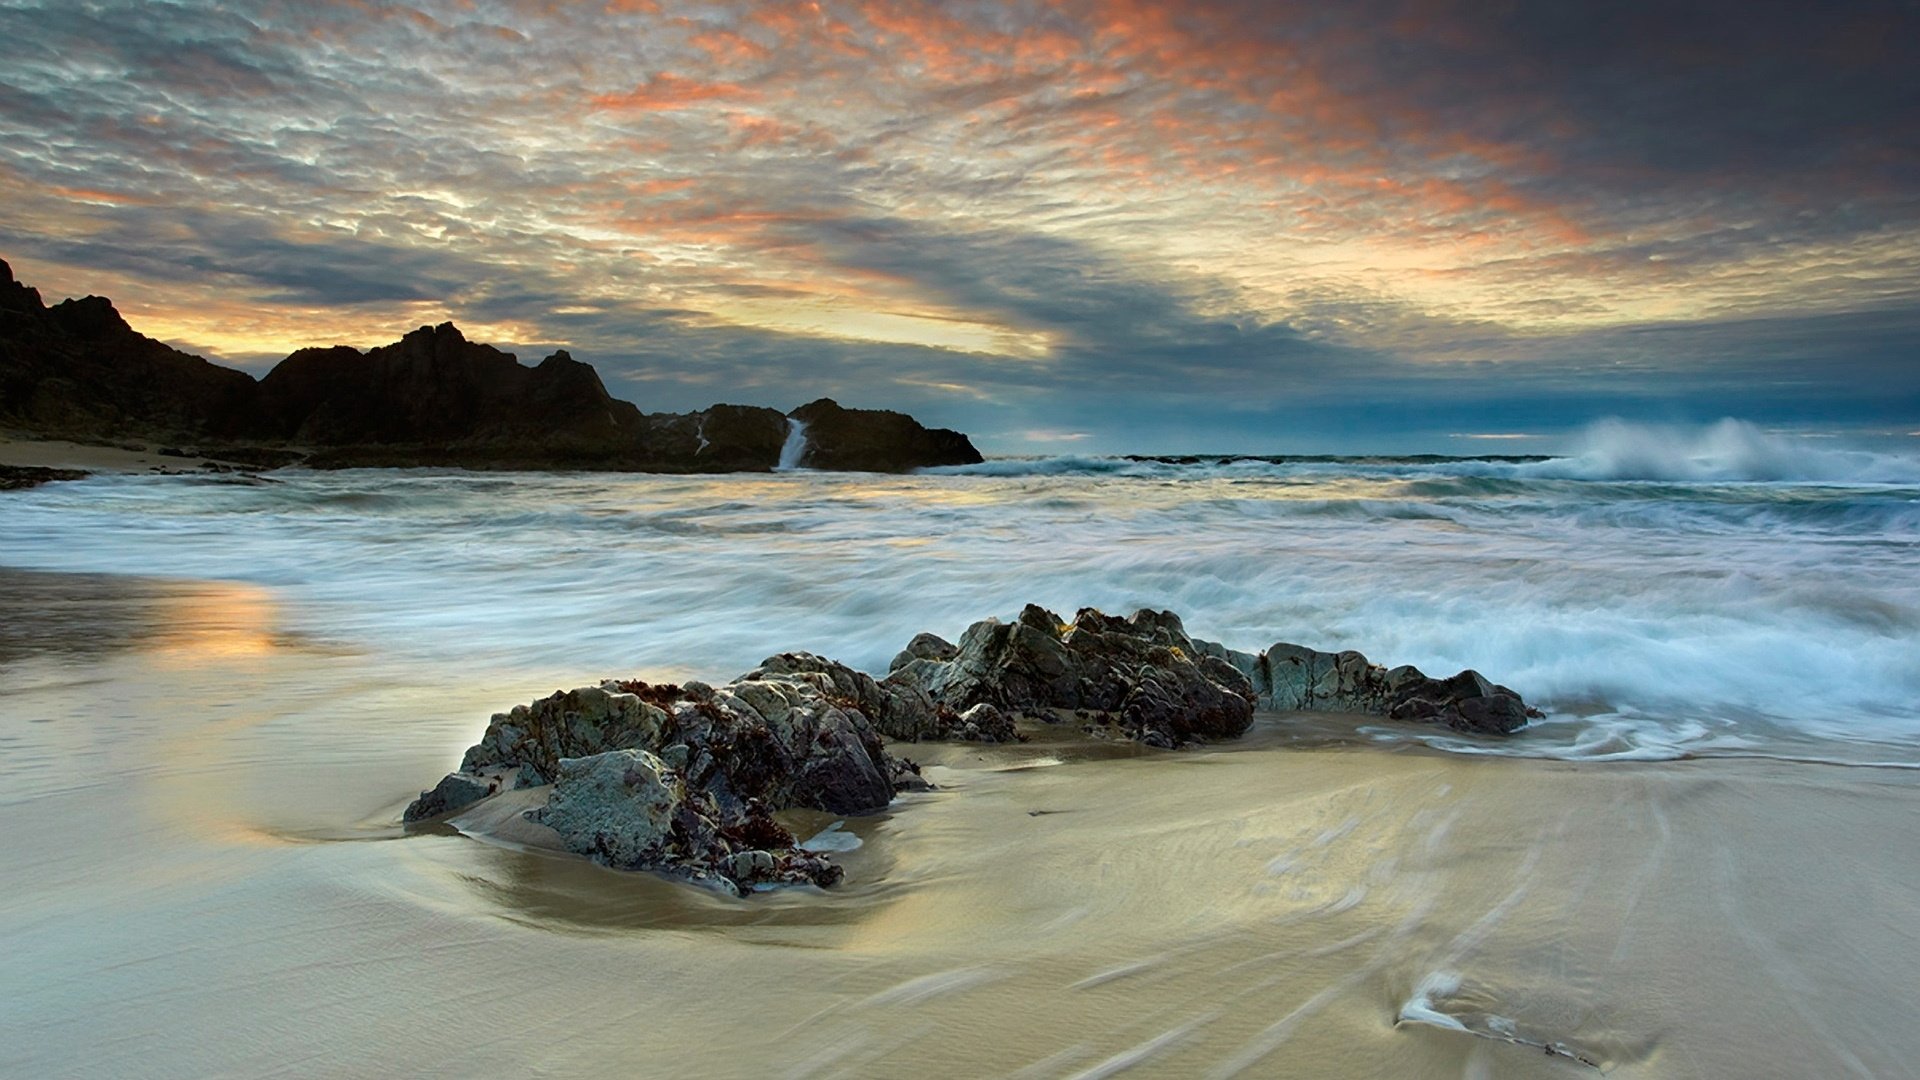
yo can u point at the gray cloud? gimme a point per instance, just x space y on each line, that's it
1250 219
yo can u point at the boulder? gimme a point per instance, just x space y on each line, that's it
1294 677
899 710
771 738
17 477
1142 673
924 647
874 440
630 810
685 778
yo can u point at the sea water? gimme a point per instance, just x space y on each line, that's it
1658 594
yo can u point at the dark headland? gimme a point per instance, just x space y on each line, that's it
77 371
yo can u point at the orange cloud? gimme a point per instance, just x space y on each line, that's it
667 91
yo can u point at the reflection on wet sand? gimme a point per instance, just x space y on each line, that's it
86 615
184 899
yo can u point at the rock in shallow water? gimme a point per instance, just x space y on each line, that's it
1143 673
683 778
1289 676
629 810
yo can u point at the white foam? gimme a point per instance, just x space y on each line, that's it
1420 1008
832 838
1650 620
1730 450
794 448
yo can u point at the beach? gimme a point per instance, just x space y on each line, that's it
210 878
216 699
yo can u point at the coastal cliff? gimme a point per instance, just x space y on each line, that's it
78 371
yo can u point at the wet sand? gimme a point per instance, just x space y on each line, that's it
206 876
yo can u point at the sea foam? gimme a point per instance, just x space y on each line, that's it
1652 616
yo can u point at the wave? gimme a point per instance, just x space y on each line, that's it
1651 619
1727 451
1609 450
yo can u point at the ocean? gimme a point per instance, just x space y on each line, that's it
216 694
1729 593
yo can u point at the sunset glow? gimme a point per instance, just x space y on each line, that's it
1093 210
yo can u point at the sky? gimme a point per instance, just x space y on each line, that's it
1069 227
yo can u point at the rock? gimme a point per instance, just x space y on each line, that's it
906 776
706 764
685 778
566 724
77 370
900 710
618 807
18 477
872 440
763 736
433 398
629 810
924 647
455 791
1143 672
435 389
1290 677
977 722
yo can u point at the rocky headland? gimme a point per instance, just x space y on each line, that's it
77 370
687 779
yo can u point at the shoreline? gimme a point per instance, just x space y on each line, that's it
22 454
1278 904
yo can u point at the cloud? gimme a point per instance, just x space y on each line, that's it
1101 216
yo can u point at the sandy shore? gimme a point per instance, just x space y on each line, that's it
23 452
207 877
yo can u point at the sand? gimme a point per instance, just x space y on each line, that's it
133 456
206 876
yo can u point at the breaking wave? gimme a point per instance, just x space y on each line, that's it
1613 450
1729 451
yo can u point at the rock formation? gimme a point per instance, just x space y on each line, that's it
1288 677
870 440
1142 673
77 370
684 779
18 477
701 767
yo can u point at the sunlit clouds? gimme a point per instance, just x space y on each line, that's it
1241 221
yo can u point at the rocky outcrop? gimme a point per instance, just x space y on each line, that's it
435 390
1147 676
1288 677
433 398
77 370
18 477
701 767
723 438
1142 674
631 810
871 440
684 779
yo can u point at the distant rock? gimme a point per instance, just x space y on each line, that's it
18 477
433 398
869 440
77 370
